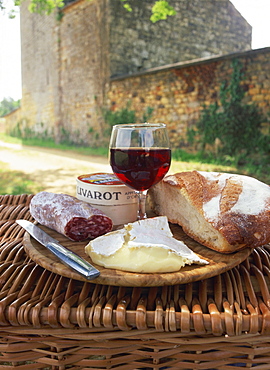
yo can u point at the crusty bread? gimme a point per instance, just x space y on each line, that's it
222 211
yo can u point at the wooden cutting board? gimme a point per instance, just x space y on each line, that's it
218 263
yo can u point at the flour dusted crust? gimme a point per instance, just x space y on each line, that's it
69 216
225 212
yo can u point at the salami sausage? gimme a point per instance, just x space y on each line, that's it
69 216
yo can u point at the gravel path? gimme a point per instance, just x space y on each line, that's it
54 170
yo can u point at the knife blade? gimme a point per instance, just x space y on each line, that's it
68 257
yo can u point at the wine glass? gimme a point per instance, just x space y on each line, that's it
140 157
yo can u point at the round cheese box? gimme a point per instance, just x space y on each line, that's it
107 193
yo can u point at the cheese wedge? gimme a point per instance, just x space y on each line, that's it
145 246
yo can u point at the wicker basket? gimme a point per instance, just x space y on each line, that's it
51 322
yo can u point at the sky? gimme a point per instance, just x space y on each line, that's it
256 12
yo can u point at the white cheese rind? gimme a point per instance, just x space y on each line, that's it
145 246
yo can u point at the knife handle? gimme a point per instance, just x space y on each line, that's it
74 261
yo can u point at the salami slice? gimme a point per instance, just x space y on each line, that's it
69 216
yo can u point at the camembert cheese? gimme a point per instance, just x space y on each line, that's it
145 246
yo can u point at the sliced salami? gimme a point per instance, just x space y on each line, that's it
69 216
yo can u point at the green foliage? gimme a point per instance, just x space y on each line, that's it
15 131
147 114
127 6
22 130
43 6
161 10
7 105
124 116
235 124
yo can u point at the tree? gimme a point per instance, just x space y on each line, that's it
7 105
160 10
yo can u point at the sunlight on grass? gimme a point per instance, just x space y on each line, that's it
84 150
14 182
177 166
181 160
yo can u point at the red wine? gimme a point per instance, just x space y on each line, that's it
140 168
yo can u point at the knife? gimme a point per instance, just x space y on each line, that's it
68 257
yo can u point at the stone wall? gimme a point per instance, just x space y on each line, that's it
177 93
10 121
83 54
65 70
68 58
199 29
40 70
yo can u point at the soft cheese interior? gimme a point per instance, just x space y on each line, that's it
145 246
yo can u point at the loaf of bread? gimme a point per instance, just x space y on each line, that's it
222 211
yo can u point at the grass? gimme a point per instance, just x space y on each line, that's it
13 182
255 165
46 143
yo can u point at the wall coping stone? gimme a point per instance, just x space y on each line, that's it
184 64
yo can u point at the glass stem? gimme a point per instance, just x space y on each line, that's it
142 203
